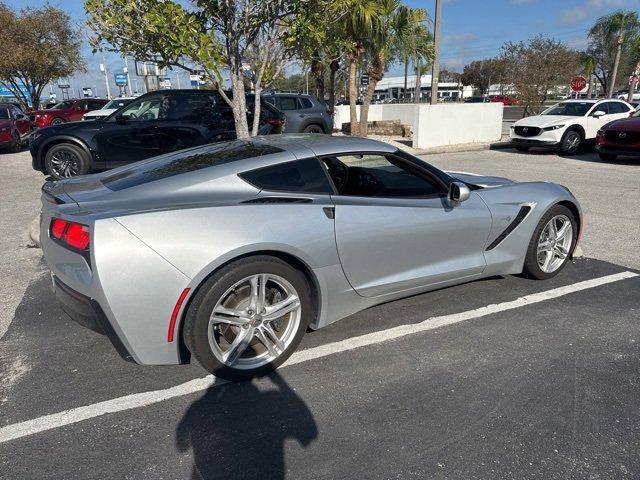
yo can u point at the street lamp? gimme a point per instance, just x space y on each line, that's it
103 69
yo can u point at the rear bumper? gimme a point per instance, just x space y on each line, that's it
618 151
88 313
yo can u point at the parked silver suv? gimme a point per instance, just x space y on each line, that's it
305 113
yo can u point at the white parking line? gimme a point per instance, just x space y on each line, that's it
136 400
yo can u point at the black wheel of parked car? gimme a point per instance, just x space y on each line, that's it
57 121
17 143
607 157
551 244
522 149
66 160
248 317
313 128
571 142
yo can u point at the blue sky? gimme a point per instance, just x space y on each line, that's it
471 29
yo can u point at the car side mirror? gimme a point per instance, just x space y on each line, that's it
458 193
598 113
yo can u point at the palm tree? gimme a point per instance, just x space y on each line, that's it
414 42
616 29
361 19
589 64
397 23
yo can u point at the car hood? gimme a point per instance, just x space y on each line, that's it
544 120
482 181
43 112
626 124
103 112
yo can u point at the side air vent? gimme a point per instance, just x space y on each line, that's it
524 211
279 200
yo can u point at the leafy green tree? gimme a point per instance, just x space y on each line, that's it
537 67
39 46
611 39
481 74
414 44
212 35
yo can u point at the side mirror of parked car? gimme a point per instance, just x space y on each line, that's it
458 193
598 113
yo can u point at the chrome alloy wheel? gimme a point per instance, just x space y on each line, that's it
572 142
554 243
65 163
254 321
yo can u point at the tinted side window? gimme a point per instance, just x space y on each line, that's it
372 175
193 108
617 107
300 176
604 107
184 162
288 103
305 103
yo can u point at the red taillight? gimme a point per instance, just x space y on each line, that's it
75 235
58 226
174 314
275 121
600 138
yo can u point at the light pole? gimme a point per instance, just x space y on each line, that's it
435 70
103 69
126 70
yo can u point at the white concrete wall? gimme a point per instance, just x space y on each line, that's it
404 112
439 125
456 123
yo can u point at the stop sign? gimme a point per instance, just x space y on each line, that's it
578 84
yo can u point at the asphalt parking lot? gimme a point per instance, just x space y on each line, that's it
500 378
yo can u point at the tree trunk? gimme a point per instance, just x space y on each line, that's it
256 110
364 112
317 70
238 103
406 75
614 72
333 70
417 87
353 96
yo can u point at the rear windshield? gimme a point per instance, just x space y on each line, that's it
184 162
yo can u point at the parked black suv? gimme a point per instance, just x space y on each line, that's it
154 123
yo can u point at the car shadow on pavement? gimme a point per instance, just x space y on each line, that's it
238 430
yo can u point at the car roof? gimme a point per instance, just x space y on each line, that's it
300 143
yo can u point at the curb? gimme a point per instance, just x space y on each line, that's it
34 231
465 147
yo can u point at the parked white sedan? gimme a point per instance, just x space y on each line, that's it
108 109
567 125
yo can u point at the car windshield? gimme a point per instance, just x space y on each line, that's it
63 105
571 109
116 103
4 113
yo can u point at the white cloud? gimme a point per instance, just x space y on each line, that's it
590 8
459 38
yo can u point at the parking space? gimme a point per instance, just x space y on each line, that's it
501 378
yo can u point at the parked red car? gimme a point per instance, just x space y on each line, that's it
506 101
619 138
65 111
14 127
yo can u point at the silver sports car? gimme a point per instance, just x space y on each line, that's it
231 251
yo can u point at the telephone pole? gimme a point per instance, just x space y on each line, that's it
435 68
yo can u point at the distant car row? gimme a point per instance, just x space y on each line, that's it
568 125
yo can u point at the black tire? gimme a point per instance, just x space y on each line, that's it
17 143
78 158
57 121
607 157
522 149
196 323
531 267
313 128
571 142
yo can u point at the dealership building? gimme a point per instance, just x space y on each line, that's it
392 87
